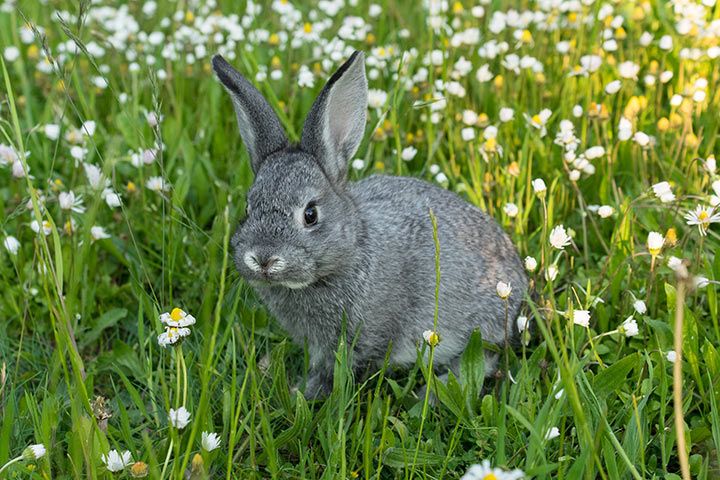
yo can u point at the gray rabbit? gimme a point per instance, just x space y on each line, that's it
318 248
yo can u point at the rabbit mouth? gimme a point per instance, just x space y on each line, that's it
273 282
295 285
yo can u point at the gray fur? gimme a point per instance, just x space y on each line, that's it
371 255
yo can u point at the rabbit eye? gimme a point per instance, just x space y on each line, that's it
310 215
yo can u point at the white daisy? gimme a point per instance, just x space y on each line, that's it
629 327
539 120
605 211
503 290
115 461
70 201
663 191
506 114
522 323
98 233
172 335
179 418
34 452
484 471
408 153
511 210
539 186
12 245
655 242
45 227
431 337
553 432
559 238
377 98
702 217
177 318
157 184
581 317
640 306
530 264
210 441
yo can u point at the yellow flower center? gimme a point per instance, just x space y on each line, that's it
654 251
490 476
33 52
74 136
274 39
490 144
307 27
139 469
671 237
536 119
526 36
177 314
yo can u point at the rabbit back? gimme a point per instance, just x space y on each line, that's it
475 253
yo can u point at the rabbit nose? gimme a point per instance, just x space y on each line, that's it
267 264
264 264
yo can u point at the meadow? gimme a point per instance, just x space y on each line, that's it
587 129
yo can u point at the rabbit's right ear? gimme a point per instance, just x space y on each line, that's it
335 124
260 127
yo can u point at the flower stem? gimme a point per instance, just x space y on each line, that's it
184 377
167 459
677 381
178 372
14 460
544 232
507 346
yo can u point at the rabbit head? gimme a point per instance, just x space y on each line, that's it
299 225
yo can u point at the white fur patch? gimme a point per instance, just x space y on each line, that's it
251 261
278 265
295 285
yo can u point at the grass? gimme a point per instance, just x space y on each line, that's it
80 367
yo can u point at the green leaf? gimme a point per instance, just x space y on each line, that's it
613 377
472 368
451 395
106 320
401 458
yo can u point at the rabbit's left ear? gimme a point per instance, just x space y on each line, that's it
260 127
335 125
